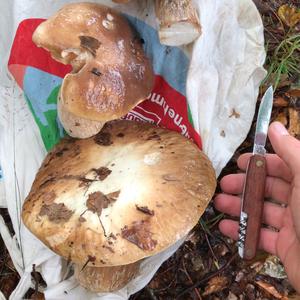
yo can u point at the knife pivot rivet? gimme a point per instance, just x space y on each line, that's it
259 163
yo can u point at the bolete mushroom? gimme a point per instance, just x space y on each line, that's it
111 73
106 203
178 22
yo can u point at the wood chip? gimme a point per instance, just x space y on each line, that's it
294 93
270 289
38 296
294 127
232 296
282 118
257 266
280 102
216 284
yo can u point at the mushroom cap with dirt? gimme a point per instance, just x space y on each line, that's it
128 193
111 73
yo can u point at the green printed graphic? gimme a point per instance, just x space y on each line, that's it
190 115
52 133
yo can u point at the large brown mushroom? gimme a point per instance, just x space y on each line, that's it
111 73
110 201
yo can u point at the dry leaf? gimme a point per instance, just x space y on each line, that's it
294 98
216 284
257 266
280 102
9 264
281 117
294 93
262 7
154 283
250 292
197 263
193 238
232 296
8 283
273 267
289 15
294 128
221 249
38 296
270 289
239 276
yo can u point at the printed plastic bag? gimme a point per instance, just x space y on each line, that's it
207 92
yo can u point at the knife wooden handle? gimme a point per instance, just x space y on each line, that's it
253 202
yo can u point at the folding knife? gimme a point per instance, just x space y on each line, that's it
254 185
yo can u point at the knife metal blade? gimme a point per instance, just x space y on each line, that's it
254 185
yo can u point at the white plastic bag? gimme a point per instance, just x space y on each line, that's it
220 75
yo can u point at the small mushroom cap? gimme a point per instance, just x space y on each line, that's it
111 73
106 279
128 193
75 126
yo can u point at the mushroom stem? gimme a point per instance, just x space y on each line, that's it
178 22
106 279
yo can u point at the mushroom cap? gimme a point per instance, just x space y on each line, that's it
111 73
126 194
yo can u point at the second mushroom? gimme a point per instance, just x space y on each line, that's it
106 203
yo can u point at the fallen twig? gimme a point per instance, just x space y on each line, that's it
208 277
190 280
209 245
